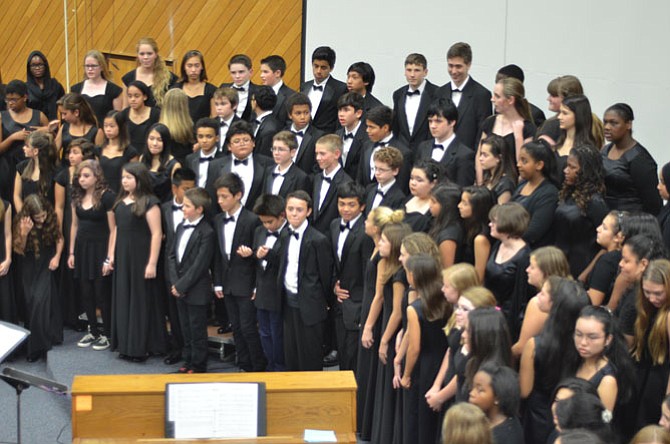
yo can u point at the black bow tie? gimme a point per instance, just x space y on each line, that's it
344 227
327 179
272 233
438 146
187 226
380 144
416 92
244 162
299 133
223 122
176 207
317 88
206 159
348 136
380 192
228 219
239 88
257 122
275 175
456 91
294 234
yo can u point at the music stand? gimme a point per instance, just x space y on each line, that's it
11 336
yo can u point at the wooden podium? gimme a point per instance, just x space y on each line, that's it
132 407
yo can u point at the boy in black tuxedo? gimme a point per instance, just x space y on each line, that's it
471 98
271 210
189 261
352 131
361 79
378 126
299 108
386 192
285 177
172 215
352 249
305 279
225 106
241 72
324 192
324 90
457 160
410 102
235 270
265 124
207 136
273 68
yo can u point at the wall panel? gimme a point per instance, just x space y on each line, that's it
218 28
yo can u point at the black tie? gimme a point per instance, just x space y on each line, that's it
187 226
272 233
294 234
327 179
348 136
228 219
223 124
299 133
257 122
437 146
380 192
275 175
206 159
244 162
176 207
454 91
344 227
239 88
379 144
317 88
416 92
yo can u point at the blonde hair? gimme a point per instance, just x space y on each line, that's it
104 69
462 277
332 142
479 297
552 262
651 434
394 233
161 72
658 272
466 423
514 88
381 216
176 117
416 243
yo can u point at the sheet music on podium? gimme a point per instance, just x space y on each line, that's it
215 410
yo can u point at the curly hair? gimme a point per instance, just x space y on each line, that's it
50 233
590 177
99 189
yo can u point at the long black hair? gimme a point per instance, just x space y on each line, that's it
540 151
164 156
490 340
481 202
447 195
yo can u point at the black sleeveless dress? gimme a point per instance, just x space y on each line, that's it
7 297
14 154
101 103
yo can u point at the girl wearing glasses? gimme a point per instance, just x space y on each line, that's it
101 94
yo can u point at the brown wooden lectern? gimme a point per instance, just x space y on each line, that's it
133 406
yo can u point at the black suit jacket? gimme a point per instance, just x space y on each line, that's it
363 176
222 150
356 149
248 113
315 270
306 157
369 102
322 217
280 111
325 118
350 270
294 179
237 274
190 276
474 107
458 161
223 165
266 131
268 292
394 197
400 126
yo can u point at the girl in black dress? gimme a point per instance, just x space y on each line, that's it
474 207
447 229
584 411
152 71
495 390
78 121
157 157
664 214
18 121
175 115
575 120
89 247
101 94
630 171
138 326
581 208
606 266
116 149
36 173
38 242
43 90
194 83
425 175
7 297
498 167
426 317
549 356
559 88
537 192
139 115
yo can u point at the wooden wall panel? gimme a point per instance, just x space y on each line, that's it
218 28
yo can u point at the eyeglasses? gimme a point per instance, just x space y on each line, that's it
240 141
37 65
589 338
383 170
91 66
13 100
